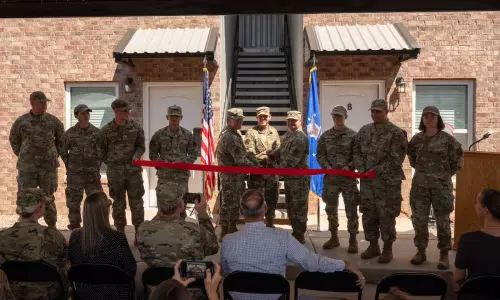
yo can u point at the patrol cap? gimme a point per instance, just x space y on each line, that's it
431 109
293 115
121 105
39 97
29 200
263 110
339 110
379 104
171 195
235 113
81 108
174 110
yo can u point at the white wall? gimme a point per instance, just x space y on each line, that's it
228 29
297 43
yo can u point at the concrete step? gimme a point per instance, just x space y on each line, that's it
263 94
261 66
262 59
262 79
261 72
249 54
274 110
262 86
262 102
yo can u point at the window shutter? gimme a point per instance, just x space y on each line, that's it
96 98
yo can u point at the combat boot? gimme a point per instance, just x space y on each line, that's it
333 242
223 232
232 227
299 237
136 243
270 223
73 226
419 258
353 244
386 255
444 263
372 251
120 229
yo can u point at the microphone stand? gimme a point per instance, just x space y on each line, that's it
485 136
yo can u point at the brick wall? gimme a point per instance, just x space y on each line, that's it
44 54
455 46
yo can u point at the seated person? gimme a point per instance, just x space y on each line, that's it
258 248
168 237
477 252
96 242
27 240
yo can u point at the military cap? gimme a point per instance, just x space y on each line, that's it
431 109
171 195
263 110
293 115
29 200
39 97
379 104
339 110
174 110
235 113
121 105
81 108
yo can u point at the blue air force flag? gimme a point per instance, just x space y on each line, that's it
313 126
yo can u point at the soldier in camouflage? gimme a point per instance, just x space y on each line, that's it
123 142
82 155
27 240
436 157
168 237
258 141
335 148
380 147
35 139
293 153
173 144
231 151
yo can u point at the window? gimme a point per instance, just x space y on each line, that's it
454 101
98 97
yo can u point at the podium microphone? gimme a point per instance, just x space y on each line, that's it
485 136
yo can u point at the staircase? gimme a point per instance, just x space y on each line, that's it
262 80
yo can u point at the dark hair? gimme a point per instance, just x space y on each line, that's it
168 210
27 215
491 200
421 126
252 202
170 289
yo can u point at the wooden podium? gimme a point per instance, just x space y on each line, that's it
481 170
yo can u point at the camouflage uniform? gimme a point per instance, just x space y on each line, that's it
29 241
335 152
293 153
258 142
35 140
164 240
121 146
82 155
171 146
231 152
381 148
435 159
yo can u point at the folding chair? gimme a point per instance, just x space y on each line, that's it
99 274
416 284
33 271
255 283
340 282
482 287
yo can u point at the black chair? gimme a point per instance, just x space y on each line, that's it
99 274
255 283
33 271
416 284
340 282
482 287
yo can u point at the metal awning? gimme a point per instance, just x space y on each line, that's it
391 39
168 42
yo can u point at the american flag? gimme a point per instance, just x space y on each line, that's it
207 137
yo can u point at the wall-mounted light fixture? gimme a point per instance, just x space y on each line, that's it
401 85
128 84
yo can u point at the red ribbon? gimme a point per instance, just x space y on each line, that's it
252 170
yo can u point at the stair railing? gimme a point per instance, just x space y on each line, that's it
289 66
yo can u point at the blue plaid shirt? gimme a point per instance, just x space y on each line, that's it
258 248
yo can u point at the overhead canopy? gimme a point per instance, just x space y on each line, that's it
362 40
168 42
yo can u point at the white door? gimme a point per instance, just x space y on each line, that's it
157 98
356 96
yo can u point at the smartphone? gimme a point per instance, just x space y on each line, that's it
196 268
191 198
